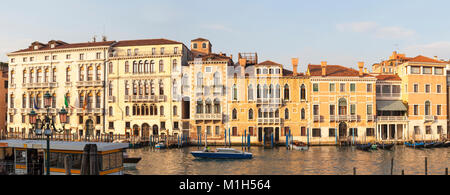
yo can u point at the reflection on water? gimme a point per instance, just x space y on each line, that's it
279 161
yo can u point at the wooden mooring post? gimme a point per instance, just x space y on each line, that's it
354 170
392 166
426 166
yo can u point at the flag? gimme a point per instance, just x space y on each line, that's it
35 104
85 101
66 102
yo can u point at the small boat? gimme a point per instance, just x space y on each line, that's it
299 146
130 162
429 145
415 145
438 144
222 153
385 146
446 144
160 145
365 147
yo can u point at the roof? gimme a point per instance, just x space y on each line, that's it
389 77
213 57
145 42
421 58
61 145
395 105
335 70
200 39
64 45
268 62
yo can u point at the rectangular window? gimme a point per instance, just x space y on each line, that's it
428 130
416 88
353 132
111 125
332 110
302 131
352 87
369 110
416 130
439 129
98 55
81 56
217 131
331 132
416 109
369 88
415 69
427 88
370 131
316 110
316 133
315 87
438 110
427 70
352 109
342 87
68 57
438 89
438 71
234 133
332 87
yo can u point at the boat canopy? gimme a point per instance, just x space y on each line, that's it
60 145
394 105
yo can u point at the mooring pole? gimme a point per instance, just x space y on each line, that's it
392 166
426 167
354 170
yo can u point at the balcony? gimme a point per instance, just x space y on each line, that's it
277 101
370 118
348 118
269 121
392 118
39 85
90 111
140 98
12 111
317 118
162 98
208 117
429 118
90 84
122 53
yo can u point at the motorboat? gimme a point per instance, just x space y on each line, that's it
222 153
415 144
160 145
299 146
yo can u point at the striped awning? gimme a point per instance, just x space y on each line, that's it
395 105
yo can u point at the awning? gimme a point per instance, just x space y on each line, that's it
395 105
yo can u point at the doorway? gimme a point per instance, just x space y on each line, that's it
342 130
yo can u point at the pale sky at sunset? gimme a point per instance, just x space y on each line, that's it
340 32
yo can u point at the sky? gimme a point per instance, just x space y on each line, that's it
339 32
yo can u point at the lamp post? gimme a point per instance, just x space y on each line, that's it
48 125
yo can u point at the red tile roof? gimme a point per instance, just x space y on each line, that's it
200 39
268 62
421 58
389 77
145 42
64 45
334 70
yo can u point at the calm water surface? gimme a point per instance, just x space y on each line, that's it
279 161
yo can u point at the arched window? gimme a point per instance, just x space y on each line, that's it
138 110
303 114
127 67
235 92
161 110
216 79
277 113
204 45
265 91
277 91
208 106
152 87
250 114
135 67
155 109
250 92
303 92
152 110
152 66
286 92
161 87
260 113
134 110
286 114
161 66
142 109
271 91
199 79
141 67
175 65
216 106
175 111
258 91
146 66
271 113
427 108
234 114
127 111
199 106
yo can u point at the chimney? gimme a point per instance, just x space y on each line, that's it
242 61
361 68
324 68
295 65
231 56
435 57
365 70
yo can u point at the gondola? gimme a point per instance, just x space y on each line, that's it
429 145
446 144
385 146
415 145
438 145
366 147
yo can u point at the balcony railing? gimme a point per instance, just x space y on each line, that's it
269 101
388 94
269 121
208 116
317 118
391 118
140 98
90 84
162 98
112 99
144 53
40 85
90 111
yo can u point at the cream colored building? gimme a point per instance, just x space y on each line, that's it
75 70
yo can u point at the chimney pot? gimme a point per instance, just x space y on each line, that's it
324 68
295 65
361 68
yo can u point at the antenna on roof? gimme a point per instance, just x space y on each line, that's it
94 38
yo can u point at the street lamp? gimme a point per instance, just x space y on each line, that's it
48 125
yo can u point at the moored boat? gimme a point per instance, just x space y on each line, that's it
365 147
222 153
385 146
160 145
130 161
446 144
428 145
438 144
415 145
299 146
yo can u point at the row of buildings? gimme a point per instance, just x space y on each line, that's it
162 87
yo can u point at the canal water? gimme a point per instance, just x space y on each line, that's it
321 160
